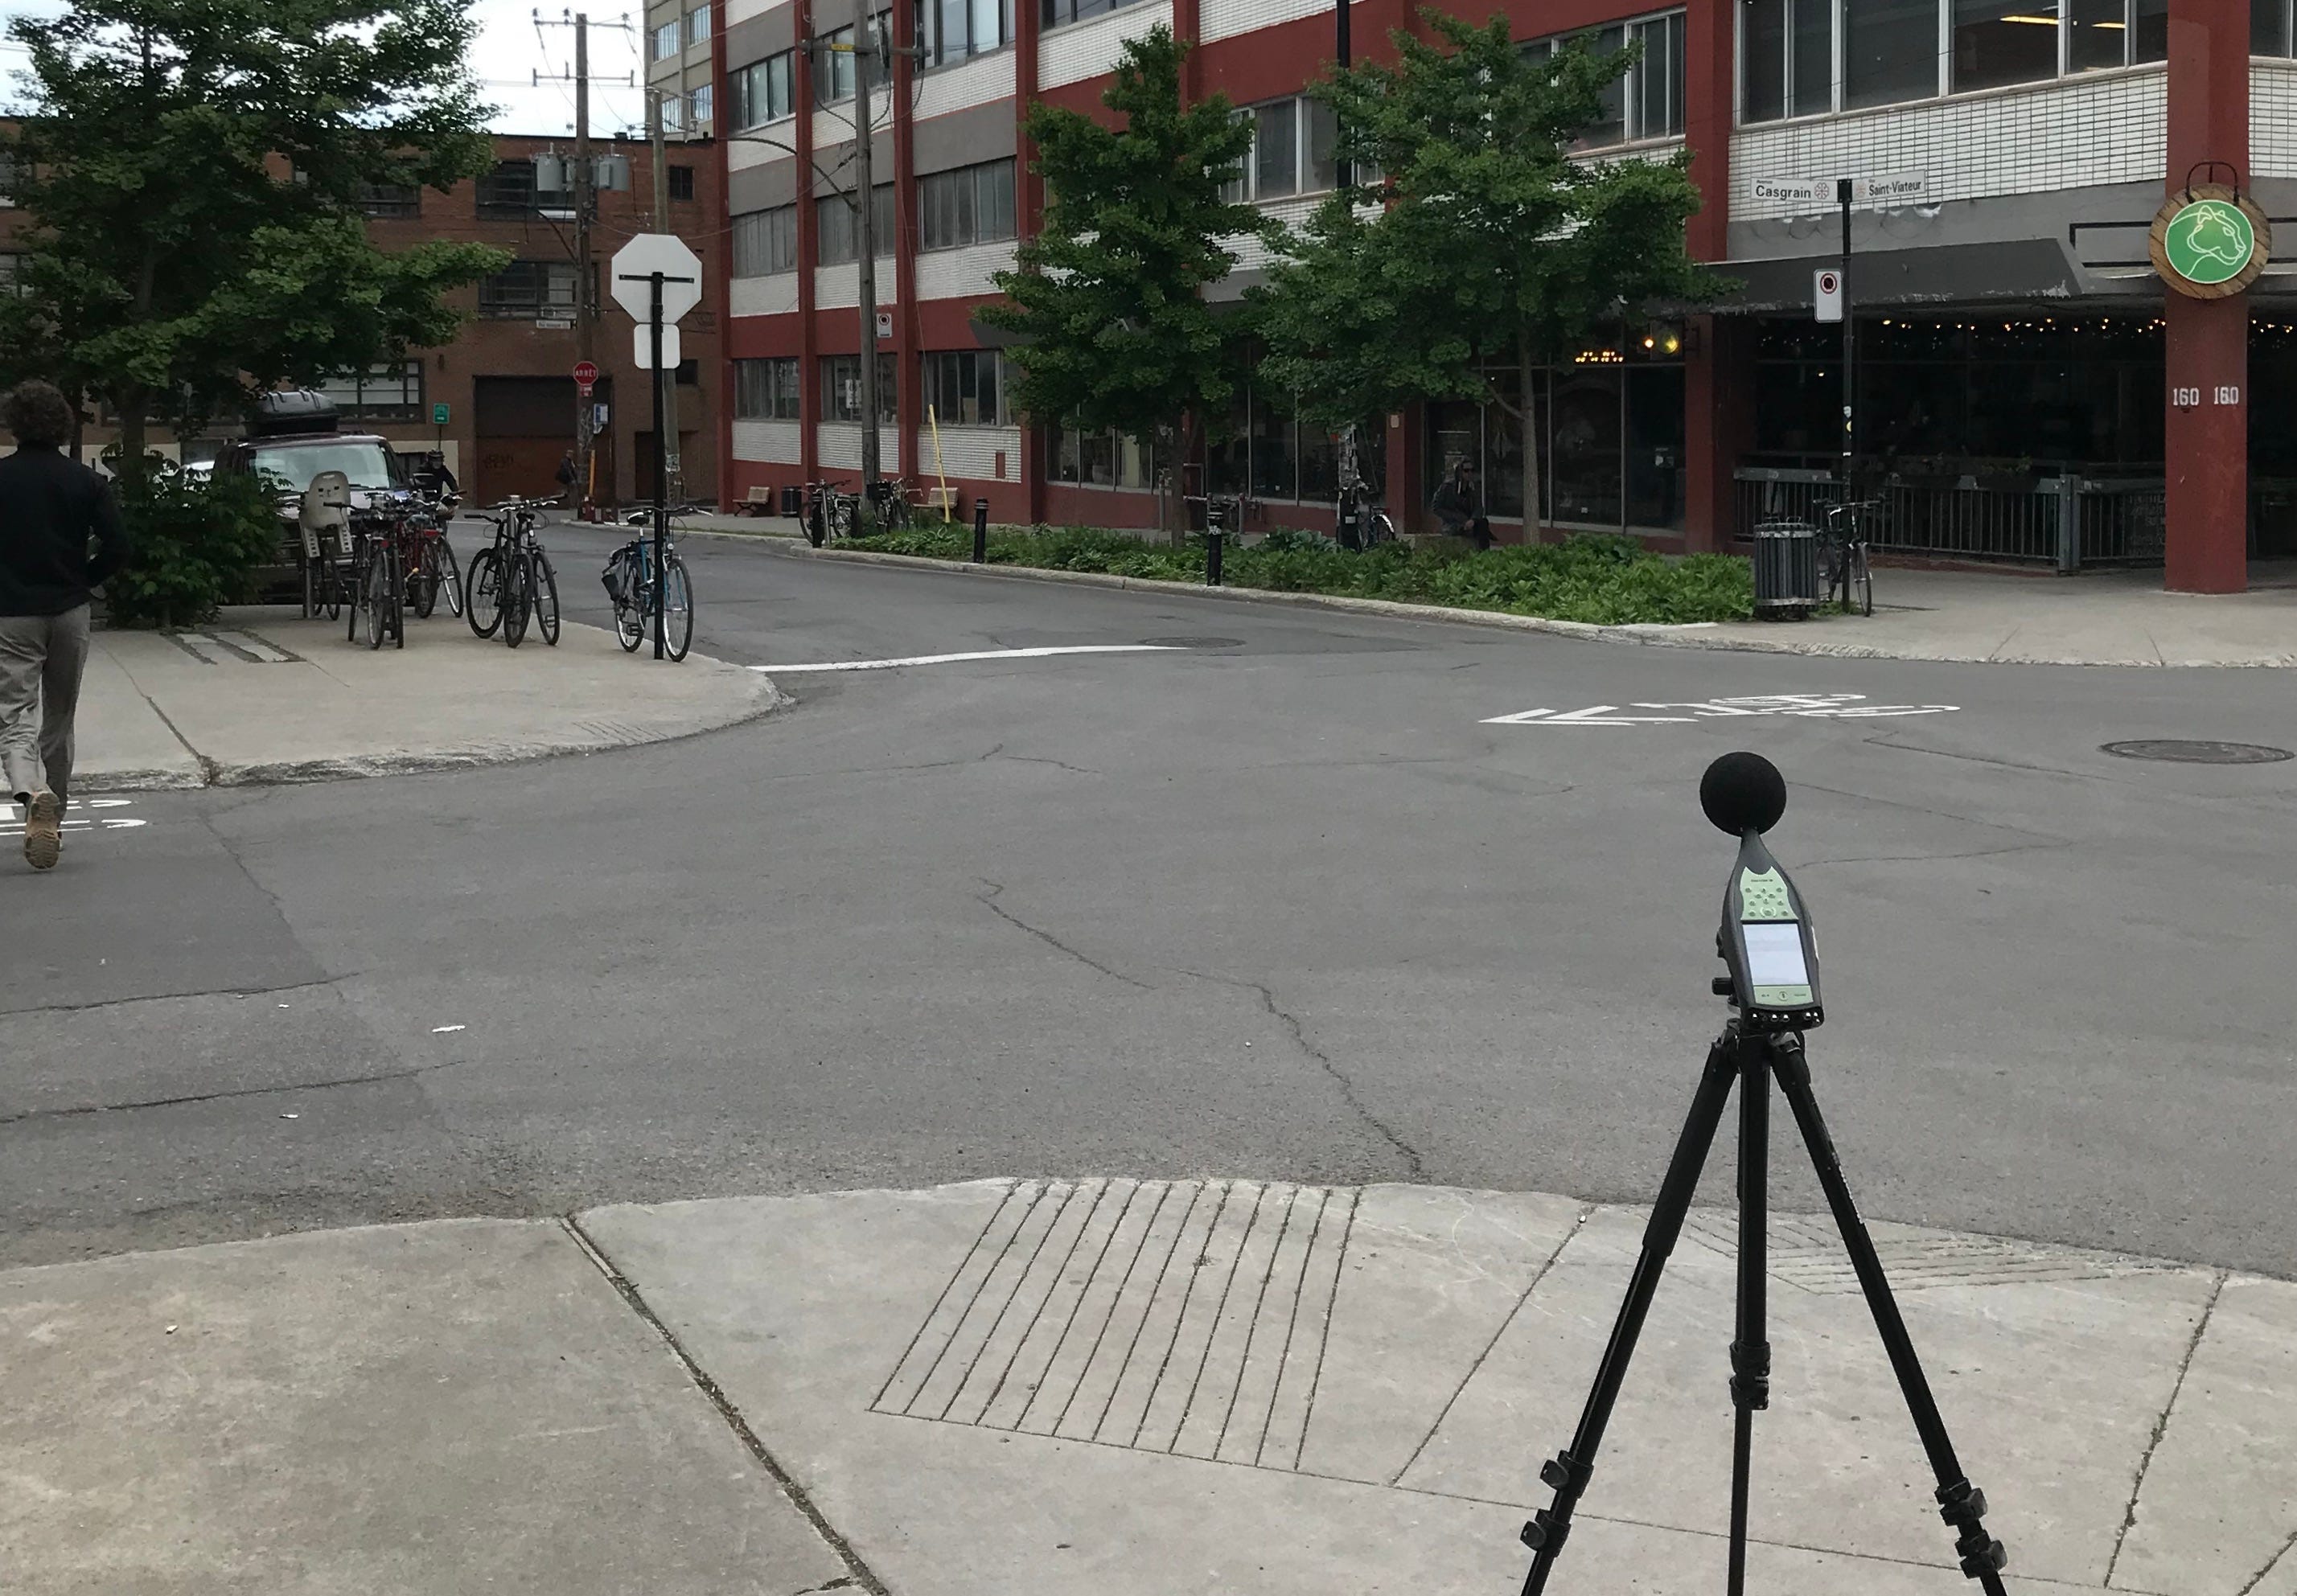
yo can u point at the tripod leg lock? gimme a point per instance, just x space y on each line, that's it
1963 1506
1751 1374
1568 1477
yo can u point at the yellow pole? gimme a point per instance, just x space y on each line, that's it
933 422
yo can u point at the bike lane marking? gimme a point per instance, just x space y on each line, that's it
12 824
957 658
1816 706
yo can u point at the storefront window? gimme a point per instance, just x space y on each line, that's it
2004 41
1655 408
1584 457
2100 35
1889 50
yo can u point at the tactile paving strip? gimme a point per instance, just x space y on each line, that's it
1806 1251
1187 1317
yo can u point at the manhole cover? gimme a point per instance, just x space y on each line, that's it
1194 642
2177 752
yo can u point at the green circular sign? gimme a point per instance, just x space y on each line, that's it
2209 241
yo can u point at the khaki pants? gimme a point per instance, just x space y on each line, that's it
41 659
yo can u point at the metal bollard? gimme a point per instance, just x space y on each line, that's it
1213 538
981 531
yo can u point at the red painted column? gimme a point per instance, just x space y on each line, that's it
809 230
1715 396
2205 344
1029 205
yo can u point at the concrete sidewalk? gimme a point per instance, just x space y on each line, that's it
264 695
1111 1388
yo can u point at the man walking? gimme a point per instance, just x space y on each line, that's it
50 509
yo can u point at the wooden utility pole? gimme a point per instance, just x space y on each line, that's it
585 303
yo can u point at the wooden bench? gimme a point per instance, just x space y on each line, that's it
760 502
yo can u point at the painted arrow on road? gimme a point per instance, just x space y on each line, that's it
1817 706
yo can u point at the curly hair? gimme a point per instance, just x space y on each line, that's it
37 412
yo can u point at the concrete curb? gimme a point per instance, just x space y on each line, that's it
1697 635
139 781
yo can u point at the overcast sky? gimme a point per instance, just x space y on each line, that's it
509 51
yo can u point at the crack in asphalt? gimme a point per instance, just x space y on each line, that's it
219 992
988 901
1415 1167
82 1110
1035 759
1925 859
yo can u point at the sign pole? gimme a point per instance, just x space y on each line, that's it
1842 192
660 483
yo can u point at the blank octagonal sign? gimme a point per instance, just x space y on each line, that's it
633 269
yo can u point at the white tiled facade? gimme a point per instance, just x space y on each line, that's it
769 442
952 274
767 296
838 445
978 80
836 287
1225 19
2273 118
1085 50
971 454
2074 133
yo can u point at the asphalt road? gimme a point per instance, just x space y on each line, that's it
1279 901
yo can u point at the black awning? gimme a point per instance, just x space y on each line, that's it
2018 269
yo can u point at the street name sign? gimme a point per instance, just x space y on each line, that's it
1897 188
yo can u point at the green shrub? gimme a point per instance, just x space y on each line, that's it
194 545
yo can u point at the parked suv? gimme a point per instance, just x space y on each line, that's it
293 435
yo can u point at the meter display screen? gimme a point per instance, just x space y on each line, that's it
1774 954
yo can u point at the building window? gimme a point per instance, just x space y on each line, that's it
529 290
697 106
835 224
841 388
1099 460
509 190
765 91
1293 145
386 393
952 29
766 390
672 112
2269 27
1059 11
681 183
7 179
1647 101
390 200
972 204
966 388
1890 49
697 25
834 58
765 241
13 285
667 41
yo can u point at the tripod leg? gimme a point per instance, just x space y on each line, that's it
1568 1472
1961 1504
1750 1346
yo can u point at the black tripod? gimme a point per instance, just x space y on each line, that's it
1752 1055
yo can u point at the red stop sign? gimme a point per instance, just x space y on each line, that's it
585 372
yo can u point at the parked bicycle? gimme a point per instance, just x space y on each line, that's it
831 511
1846 568
377 590
630 579
511 581
1360 520
432 571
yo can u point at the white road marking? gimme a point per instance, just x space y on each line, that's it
959 659
11 823
1822 707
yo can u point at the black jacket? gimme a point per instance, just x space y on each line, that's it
50 507
1457 503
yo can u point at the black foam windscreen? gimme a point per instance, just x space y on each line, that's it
1742 793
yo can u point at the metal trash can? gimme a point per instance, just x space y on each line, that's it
1786 569
793 500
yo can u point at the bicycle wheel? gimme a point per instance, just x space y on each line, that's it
1865 577
677 609
486 589
351 590
630 605
422 583
394 582
451 577
546 595
372 620
517 596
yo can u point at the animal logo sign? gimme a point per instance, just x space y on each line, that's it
2209 242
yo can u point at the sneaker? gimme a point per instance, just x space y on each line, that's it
43 836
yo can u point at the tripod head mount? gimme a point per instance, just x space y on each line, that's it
1765 937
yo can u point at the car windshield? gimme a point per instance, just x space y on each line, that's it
367 462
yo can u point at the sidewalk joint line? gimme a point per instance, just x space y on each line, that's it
1578 1224
1052 1288
858 1569
2271 1563
973 1302
947 1287
1252 1325
1019 1281
1220 1312
1149 1307
1116 1299
1323 1344
1180 1320
1076 1308
1291 1328
2161 1425
207 766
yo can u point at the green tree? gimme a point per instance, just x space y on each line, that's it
192 171
1473 238
1108 299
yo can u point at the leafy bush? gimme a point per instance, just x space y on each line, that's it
193 545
